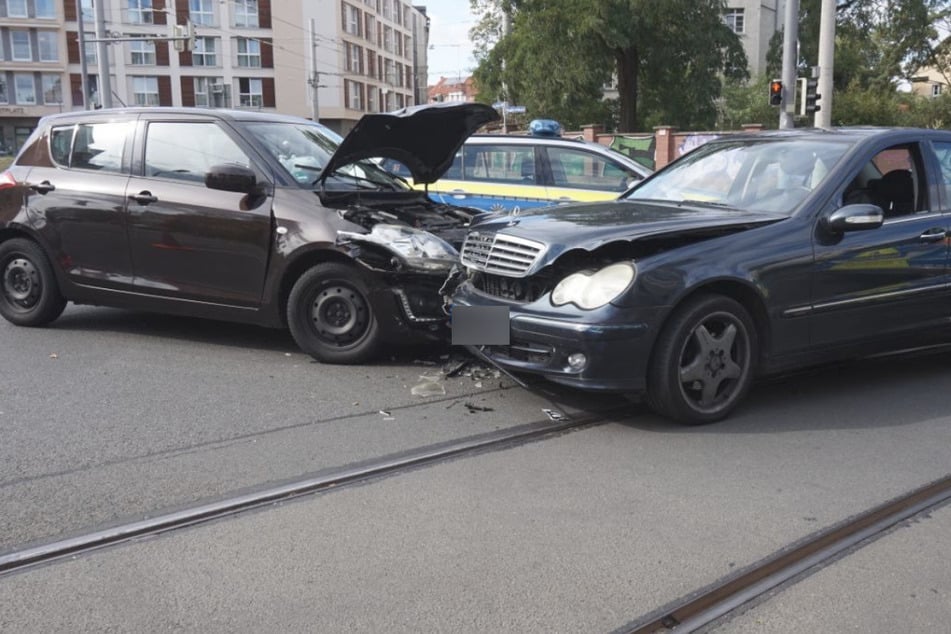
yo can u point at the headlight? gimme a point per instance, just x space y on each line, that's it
419 248
593 290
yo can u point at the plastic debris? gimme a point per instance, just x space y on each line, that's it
53 355
386 415
555 415
428 388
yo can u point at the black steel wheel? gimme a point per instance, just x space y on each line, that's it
330 315
29 294
703 362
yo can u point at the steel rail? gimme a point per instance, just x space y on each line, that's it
52 551
705 606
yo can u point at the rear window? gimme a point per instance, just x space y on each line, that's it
91 146
61 139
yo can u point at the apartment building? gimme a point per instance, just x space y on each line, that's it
333 59
32 67
755 21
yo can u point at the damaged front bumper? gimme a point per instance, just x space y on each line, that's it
610 355
412 266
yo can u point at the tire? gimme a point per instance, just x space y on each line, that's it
703 361
330 315
29 293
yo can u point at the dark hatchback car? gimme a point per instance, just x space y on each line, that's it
750 255
237 215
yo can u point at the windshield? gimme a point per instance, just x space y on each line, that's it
303 149
768 175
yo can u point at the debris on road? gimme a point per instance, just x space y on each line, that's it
472 407
386 415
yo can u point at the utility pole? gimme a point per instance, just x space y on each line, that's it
314 75
102 55
826 57
83 67
790 61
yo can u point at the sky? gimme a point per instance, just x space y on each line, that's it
450 51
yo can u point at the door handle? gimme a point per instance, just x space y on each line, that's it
933 235
43 188
144 197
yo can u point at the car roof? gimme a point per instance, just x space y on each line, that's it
848 134
219 113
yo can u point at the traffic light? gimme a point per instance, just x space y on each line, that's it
776 93
809 102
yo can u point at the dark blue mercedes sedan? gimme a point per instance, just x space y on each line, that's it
751 255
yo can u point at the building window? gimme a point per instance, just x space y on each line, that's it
92 52
139 12
25 88
246 13
370 24
354 95
89 14
210 92
45 9
250 92
351 19
16 9
145 91
202 12
734 20
354 58
48 44
249 53
205 52
936 89
387 39
143 53
3 88
52 89
20 43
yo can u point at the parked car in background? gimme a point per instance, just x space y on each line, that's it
237 215
751 255
494 172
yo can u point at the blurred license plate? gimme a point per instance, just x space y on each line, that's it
480 325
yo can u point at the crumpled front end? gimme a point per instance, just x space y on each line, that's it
411 265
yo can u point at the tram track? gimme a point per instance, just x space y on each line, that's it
707 606
79 544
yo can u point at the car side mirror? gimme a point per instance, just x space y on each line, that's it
858 217
231 178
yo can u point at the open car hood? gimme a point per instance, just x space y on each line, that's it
424 138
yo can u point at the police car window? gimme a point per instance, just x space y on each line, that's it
186 150
581 169
508 164
99 146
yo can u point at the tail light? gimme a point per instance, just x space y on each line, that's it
6 180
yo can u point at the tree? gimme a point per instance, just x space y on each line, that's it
877 43
667 56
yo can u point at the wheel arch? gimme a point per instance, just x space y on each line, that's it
301 264
745 294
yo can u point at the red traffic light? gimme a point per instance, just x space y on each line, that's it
775 92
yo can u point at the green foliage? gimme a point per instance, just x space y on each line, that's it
746 102
667 56
877 42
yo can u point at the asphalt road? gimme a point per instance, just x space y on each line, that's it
111 416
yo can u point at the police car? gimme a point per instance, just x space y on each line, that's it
496 172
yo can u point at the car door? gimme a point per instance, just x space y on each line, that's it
579 174
189 241
77 200
893 279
